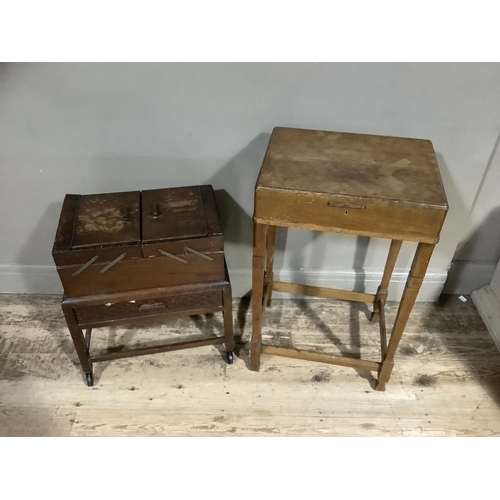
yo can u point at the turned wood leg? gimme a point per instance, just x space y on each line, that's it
259 250
227 314
78 338
413 284
386 278
268 271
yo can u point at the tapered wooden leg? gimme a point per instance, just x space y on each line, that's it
268 271
413 284
382 290
227 313
78 338
259 250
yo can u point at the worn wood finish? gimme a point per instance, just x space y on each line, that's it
172 214
266 300
210 211
413 284
351 183
107 219
383 328
208 245
227 314
358 184
98 229
135 274
259 250
143 294
268 271
129 257
81 346
318 291
105 255
66 225
165 316
357 165
324 212
382 290
321 358
144 351
111 309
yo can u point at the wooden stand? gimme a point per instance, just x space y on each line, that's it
346 183
85 313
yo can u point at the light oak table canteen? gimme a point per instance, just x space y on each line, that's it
367 185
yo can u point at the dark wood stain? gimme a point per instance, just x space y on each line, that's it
321 376
408 351
425 380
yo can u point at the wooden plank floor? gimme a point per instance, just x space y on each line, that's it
446 381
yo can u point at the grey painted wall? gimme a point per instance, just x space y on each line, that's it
85 128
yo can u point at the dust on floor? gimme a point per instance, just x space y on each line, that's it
446 381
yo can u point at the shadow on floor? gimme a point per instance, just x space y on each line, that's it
460 329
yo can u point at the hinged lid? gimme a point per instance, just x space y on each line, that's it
397 170
173 214
104 220
117 219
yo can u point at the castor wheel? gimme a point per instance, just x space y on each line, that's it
89 379
229 357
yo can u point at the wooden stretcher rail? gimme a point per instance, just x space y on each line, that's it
142 351
321 358
317 291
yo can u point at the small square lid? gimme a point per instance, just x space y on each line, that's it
173 214
107 220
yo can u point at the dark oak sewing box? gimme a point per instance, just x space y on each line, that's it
125 257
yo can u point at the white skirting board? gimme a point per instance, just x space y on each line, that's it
487 301
43 279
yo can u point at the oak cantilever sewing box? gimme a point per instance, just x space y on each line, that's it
123 257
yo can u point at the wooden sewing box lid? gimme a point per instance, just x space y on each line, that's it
135 218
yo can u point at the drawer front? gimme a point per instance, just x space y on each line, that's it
349 215
142 273
151 307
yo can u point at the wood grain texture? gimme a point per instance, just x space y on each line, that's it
446 381
136 274
398 169
258 263
108 219
172 214
382 291
319 291
138 308
321 358
66 225
388 187
136 228
382 219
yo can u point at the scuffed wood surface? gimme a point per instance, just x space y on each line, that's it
446 381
